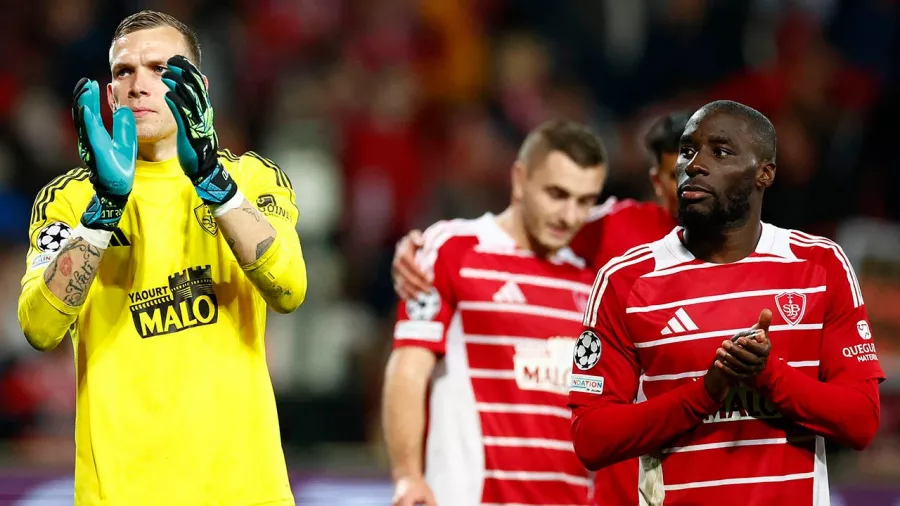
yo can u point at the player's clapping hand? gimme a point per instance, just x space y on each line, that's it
741 358
745 357
412 492
198 144
110 159
409 280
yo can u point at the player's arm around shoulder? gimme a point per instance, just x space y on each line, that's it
43 316
261 230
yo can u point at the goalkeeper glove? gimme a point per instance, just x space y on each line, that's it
110 160
198 143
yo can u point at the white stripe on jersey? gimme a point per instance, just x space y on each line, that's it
505 340
523 409
599 211
523 504
723 333
521 309
435 236
697 374
736 444
525 279
571 479
672 377
740 481
492 374
635 255
747 260
804 363
809 241
724 296
528 442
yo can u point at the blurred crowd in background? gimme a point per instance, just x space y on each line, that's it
388 115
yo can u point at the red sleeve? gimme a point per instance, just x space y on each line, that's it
607 427
423 321
848 350
843 404
586 243
846 413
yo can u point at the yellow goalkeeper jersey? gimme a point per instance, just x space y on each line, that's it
174 401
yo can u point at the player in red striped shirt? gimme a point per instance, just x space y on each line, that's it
490 345
739 421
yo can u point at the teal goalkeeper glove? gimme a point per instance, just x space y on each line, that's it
188 99
110 160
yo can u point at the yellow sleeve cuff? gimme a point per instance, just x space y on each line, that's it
54 301
280 275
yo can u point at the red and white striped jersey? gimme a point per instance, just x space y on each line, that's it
660 315
615 226
503 321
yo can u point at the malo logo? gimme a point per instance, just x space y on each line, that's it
792 306
187 301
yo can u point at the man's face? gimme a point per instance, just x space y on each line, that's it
663 179
556 196
716 171
137 62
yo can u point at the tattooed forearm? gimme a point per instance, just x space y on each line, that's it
252 212
70 275
247 233
263 246
51 271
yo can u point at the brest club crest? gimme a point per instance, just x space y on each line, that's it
791 305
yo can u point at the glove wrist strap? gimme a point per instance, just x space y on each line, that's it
229 205
94 237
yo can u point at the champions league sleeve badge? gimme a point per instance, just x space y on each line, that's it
587 350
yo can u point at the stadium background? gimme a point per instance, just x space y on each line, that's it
391 114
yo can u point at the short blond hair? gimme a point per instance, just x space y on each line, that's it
575 140
146 20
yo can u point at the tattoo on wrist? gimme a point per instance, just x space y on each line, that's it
77 261
263 246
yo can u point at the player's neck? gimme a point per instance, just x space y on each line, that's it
157 151
512 223
725 245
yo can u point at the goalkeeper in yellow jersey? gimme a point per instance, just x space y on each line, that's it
159 259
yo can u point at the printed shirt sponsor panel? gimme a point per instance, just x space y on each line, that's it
661 314
505 324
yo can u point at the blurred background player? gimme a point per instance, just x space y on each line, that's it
158 266
658 314
478 356
610 229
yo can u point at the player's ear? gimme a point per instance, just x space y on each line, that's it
518 174
766 175
655 181
205 81
110 98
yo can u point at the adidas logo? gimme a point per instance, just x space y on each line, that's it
679 323
118 239
510 293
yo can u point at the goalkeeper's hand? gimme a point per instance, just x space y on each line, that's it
188 99
110 160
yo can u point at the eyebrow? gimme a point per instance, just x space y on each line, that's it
719 139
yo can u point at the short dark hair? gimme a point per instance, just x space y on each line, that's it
146 20
664 134
575 140
762 130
